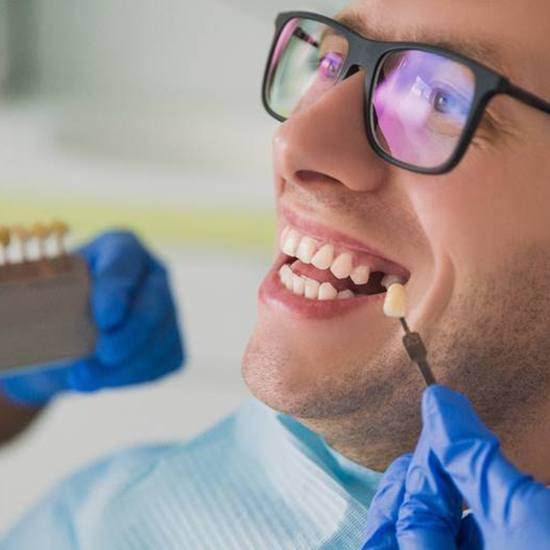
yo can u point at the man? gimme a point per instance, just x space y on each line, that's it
380 166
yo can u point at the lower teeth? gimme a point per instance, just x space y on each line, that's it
309 288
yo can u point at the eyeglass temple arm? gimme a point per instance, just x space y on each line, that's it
526 97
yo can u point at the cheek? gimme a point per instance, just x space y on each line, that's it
485 210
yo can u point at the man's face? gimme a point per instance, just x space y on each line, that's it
474 245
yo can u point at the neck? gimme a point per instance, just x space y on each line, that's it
526 442
368 441
525 439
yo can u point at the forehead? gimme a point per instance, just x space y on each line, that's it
512 36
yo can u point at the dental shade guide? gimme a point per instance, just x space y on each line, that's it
44 299
395 306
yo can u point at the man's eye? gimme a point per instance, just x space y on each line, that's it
331 65
447 103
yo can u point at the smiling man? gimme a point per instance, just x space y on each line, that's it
472 242
399 154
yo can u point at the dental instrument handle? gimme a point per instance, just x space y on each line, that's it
417 352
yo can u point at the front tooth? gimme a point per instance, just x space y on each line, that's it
291 243
288 282
298 285
390 280
324 257
306 250
360 275
285 273
287 276
346 295
312 289
327 292
342 266
283 237
395 304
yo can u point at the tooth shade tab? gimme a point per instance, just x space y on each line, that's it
390 280
395 304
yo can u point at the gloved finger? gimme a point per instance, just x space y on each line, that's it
430 515
35 388
494 489
150 308
118 263
166 356
469 536
384 508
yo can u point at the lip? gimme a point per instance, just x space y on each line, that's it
273 293
324 233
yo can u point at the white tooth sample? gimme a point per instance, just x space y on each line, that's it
306 250
327 292
346 295
395 304
324 257
284 234
361 275
298 285
342 266
312 289
390 280
292 240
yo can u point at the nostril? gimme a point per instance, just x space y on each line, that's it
310 176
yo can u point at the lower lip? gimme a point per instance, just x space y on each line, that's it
273 292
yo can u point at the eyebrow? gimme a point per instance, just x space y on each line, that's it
481 51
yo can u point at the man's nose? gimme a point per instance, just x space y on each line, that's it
327 140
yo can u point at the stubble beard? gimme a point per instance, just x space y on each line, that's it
491 344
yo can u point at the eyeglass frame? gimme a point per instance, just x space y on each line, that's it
488 84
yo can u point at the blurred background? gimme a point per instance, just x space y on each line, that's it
144 115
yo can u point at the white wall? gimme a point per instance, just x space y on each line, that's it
136 102
4 52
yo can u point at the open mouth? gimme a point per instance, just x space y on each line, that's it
320 270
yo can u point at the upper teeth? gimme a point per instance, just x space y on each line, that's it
323 256
342 266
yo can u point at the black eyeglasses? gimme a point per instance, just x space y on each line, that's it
422 103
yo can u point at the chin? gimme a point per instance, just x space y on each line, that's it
321 373
273 376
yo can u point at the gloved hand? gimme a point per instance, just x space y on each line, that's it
139 338
419 502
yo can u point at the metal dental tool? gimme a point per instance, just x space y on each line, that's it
395 306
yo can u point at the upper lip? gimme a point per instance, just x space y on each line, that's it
324 233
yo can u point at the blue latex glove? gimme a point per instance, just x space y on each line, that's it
419 502
139 338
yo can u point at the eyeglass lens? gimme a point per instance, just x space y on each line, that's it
307 60
421 101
